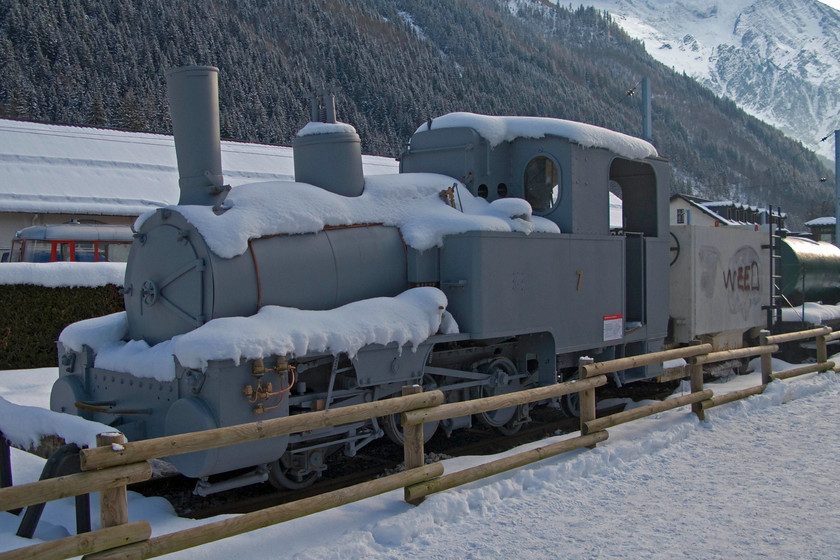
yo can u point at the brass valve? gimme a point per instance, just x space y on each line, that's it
258 367
448 196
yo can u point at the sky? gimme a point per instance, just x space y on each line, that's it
833 3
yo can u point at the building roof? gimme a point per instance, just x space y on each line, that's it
712 208
699 204
824 221
66 169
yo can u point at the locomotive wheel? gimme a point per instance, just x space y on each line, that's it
520 418
506 421
392 425
281 476
570 404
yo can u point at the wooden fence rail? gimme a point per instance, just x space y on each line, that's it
71 485
109 468
76 545
798 335
487 404
132 452
498 466
598 424
211 532
611 366
724 355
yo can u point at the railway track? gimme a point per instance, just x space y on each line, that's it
378 458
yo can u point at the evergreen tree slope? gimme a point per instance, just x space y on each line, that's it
392 64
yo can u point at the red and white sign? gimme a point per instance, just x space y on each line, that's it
613 327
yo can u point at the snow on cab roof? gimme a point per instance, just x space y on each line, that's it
505 129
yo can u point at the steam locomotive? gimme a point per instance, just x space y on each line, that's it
487 265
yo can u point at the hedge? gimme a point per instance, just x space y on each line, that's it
32 317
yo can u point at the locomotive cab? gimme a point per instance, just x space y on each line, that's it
608 285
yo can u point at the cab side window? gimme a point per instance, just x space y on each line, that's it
542 183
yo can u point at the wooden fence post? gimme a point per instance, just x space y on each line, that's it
696 371
413 442
586 397
5 462
113 502
766 359
822 349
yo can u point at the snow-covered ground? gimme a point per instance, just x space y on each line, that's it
757 479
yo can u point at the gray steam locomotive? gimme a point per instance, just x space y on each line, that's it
510 294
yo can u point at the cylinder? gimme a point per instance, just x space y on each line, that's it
810 271
193 94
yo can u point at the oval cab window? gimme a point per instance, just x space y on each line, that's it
542 183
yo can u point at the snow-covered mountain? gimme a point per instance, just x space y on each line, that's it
777 59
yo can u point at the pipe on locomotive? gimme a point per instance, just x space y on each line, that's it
193 94
327 156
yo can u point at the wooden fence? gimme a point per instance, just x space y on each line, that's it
114 464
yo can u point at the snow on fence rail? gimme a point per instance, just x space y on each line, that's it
112 465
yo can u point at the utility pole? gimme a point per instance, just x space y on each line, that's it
837 187
647 129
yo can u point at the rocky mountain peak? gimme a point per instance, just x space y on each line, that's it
777 59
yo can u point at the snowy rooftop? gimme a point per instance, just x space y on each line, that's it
707 210
727 203
50 168
505 129
824 221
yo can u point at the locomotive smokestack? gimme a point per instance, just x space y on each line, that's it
193 94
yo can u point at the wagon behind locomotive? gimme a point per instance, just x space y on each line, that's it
720 284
